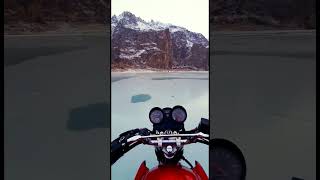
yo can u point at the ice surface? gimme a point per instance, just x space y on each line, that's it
188 89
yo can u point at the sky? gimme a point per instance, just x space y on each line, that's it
191 14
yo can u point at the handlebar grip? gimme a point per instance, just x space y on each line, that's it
204 126
116 150
120 146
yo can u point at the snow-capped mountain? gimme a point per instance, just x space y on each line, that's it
141 44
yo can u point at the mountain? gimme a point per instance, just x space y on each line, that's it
137 43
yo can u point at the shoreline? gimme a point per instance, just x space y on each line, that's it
155 71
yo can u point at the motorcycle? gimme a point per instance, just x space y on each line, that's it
169 136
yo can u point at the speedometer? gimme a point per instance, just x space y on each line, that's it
156 115
226 161
179 114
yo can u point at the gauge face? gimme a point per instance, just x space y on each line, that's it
226 162
156 115
179 114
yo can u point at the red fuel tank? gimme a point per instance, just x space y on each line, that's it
171 172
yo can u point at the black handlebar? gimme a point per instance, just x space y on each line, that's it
118 149
120 146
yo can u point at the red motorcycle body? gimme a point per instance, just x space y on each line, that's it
171 172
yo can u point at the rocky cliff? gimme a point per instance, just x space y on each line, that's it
136 43
135 49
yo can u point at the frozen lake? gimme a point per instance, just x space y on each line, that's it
132 97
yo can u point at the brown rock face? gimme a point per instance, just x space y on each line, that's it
142 49
163 58
199 58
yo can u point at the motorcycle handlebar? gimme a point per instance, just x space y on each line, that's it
180 139
129 139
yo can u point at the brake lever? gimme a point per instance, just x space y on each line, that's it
203 140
